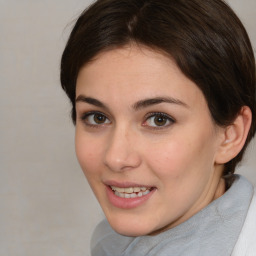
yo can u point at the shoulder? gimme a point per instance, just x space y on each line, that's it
101 230
106 242
246 244
101 236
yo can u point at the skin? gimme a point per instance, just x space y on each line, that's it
176 156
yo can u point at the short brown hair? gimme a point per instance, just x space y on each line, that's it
205 38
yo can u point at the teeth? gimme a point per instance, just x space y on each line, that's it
133 195
120 190
145 192
136 189
128 190
131 192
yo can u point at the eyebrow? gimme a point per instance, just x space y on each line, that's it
154 101
136 106
92 101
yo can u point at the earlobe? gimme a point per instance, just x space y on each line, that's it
234 136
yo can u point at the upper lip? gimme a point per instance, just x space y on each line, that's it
125 184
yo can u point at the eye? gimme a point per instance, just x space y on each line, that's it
95 118
158 120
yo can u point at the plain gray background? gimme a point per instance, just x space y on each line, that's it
47 207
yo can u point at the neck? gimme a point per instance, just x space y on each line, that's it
215 190
221 189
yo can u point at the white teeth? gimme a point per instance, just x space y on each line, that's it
127 195
133 195
120 190
128 190
136 189
119 194
131 192
145 192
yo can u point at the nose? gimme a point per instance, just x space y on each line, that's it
121 152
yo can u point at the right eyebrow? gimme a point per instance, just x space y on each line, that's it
92 101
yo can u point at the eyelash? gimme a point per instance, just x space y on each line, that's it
85 116
170 120
161 115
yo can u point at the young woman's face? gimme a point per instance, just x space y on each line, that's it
145 140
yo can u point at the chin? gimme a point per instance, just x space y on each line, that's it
127 228
130 232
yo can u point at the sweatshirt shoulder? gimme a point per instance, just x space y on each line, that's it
106 242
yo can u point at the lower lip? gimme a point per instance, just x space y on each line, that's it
127 203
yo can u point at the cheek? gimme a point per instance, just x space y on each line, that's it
167 159
180 156
88 153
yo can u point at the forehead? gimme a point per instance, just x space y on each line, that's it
134 72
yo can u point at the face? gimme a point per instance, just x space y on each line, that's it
145 140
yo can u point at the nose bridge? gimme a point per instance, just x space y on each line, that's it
121 152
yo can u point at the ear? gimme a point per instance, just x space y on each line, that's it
234 136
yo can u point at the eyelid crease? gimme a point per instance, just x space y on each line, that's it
158 127
84 116
151 114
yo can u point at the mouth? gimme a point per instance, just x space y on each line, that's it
131 192
128 195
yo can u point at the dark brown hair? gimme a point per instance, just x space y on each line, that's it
205 38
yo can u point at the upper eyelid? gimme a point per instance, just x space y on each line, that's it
147 115
86 114
151 114
83 116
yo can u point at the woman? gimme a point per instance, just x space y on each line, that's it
163 97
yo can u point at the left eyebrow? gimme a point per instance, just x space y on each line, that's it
154 101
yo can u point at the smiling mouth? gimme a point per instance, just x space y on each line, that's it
131 192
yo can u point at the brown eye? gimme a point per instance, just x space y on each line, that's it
99 118
158 120
95 119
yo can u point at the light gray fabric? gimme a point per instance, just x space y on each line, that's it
212 231
246 244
